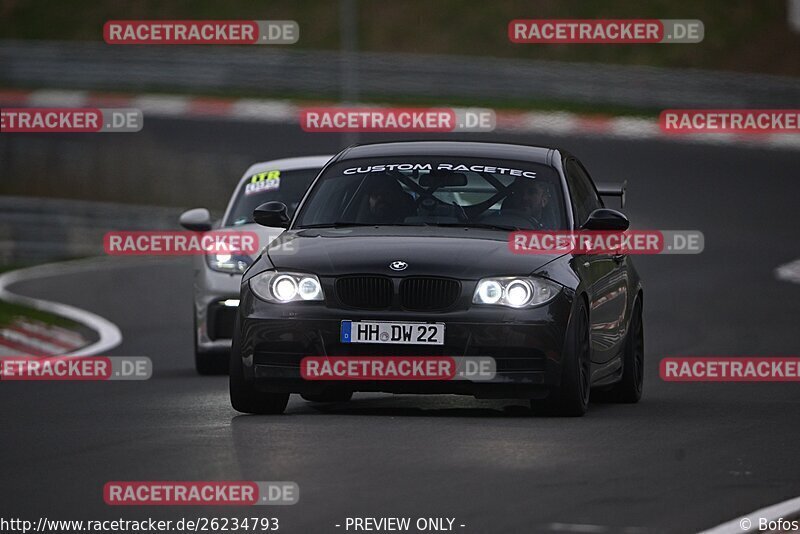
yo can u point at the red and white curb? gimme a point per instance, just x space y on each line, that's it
24 336
288 112
33 338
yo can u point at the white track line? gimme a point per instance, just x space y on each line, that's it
749 522
789 272
110 334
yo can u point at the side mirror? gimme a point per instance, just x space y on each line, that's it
606 219
614 190
196 220
273 214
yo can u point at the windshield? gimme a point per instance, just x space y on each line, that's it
274 184
441 191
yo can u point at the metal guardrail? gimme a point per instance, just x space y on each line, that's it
35 230
97 66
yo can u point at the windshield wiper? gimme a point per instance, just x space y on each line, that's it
345 224
338 224
504 227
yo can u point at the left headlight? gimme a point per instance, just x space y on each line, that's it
228 263
283 287
515 291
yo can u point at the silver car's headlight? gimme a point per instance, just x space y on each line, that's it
283 287
228 263
515 291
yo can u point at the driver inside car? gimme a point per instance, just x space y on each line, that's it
384 201
528 198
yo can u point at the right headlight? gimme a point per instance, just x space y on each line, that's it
226 262
515 291
284 287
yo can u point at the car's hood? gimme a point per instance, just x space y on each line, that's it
467 254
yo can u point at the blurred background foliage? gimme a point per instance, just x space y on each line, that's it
740 35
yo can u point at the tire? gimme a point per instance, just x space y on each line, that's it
211 363
335 396
245 398
571 397
208 362
629 389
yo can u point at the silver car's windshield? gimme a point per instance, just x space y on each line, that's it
273 184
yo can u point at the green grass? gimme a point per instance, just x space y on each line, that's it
9 312
11 267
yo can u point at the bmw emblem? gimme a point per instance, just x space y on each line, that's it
398 266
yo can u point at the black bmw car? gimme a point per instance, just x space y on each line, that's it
417 233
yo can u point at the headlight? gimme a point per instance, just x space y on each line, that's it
282 287
515 292
228 263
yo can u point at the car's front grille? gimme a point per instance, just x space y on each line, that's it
415 294
365 292
429 294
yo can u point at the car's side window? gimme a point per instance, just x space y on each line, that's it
584 196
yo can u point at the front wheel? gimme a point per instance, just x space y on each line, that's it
210 362
334 396
246 398
207 362
571 397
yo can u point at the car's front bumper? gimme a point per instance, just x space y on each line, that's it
215 298
526 345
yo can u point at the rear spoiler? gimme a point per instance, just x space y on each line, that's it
614 190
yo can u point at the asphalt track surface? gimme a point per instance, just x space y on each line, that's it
688 457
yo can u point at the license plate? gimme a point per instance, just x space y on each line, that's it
395 333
